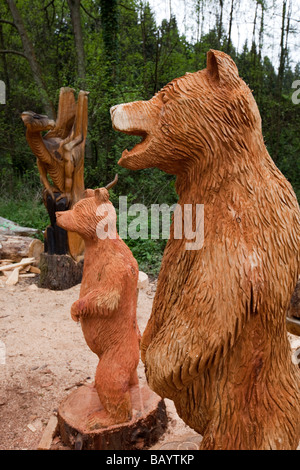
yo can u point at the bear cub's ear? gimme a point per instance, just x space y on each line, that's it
222 69
89 193
101 195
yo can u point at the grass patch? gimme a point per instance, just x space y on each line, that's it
25 211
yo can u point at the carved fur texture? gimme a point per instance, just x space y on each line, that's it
216 342
106 307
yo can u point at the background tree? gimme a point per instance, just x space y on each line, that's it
118 52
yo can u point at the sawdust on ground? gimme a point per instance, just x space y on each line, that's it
44 357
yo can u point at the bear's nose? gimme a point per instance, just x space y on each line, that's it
112 110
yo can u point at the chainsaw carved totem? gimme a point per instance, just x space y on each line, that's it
216 342
107 304
60 155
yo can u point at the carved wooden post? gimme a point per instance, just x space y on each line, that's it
60 156
117 412
216 342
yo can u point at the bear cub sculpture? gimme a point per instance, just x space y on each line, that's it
106 307
216 342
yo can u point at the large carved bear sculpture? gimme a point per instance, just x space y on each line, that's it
216 342
107 304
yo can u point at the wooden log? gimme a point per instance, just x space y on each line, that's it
18 247
8 227
59 272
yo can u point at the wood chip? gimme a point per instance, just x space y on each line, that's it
49 433
47 384
13 278
32 287
24 262
34 269
31 427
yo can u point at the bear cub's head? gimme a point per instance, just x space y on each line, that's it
91 217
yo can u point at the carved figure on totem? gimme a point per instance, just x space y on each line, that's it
60 158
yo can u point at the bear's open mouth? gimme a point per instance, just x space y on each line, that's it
138 148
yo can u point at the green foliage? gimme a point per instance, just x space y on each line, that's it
28 212
128 57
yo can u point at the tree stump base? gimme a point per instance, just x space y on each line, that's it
59 272
148 423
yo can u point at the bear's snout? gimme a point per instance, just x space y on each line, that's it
63 219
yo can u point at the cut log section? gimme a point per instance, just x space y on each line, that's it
17 247
8 227
148 423
59 272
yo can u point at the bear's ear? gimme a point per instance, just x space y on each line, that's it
101 195
89 193
222 69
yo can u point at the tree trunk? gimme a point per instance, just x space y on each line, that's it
30 56
261 31
282 61
230 27
109 22
74 6
220 22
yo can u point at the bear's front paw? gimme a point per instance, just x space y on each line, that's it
75 312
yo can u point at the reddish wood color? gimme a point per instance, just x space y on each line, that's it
216 342
106 308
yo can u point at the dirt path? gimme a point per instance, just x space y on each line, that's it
46 357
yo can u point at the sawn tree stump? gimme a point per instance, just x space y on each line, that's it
148 423
59 272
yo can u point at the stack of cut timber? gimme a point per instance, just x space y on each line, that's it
17 247
12 272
